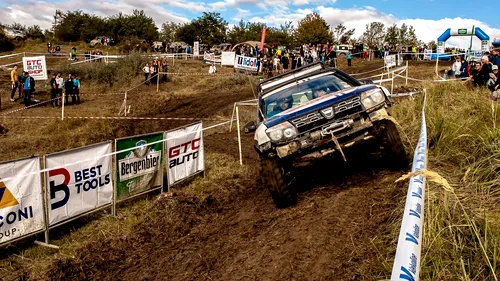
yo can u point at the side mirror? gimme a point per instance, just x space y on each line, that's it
250 127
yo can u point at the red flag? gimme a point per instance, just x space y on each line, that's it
262 40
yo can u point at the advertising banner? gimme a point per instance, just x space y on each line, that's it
227 58
36 67
78 188
196 48
138 170
390 61
211 58
485 45
427 54
21 200
400 59
246 63
185 156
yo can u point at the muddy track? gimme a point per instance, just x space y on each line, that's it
240 235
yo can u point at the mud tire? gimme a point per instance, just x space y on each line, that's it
396 155
274 174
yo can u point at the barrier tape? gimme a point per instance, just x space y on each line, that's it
109 154
116 118
14 63
407 260
356 74
31 106
409 94
11 55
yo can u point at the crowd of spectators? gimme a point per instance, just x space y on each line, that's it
157 69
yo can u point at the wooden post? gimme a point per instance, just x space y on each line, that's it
392 83
232 118
62 113
406 73
158 82
239 135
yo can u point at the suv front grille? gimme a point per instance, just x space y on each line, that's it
315 119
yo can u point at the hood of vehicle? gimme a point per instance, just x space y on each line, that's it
316 104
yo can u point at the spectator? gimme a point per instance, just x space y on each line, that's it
464 69
21 79
15 80
152 73
484 72
29 88
53 91
212 69
448 73
455 69
294 61
75 97
276 62
164 69
349 59
146 74
492 81
73 53
57 51
49 46
3 130
495 58
285 62
60 85
68 87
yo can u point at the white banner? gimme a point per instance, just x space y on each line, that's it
246 63
390 61
36 67
78 188
21 200
196 48
185 156
211 58
427 54
227 58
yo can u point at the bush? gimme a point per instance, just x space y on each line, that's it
5 43
118 73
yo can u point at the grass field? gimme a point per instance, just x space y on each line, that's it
224 227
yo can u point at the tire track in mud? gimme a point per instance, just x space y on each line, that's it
241 235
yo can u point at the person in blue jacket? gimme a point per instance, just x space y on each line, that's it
29 87
349 59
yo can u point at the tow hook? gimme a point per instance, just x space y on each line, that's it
335 127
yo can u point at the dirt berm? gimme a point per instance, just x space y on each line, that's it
239 234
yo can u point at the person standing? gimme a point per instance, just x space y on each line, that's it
49 46
21 79
75 98
29 87
15 80
164 69
68 87
146 74
285 62
60 85
349 59
53 91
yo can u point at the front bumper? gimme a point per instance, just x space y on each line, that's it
351 131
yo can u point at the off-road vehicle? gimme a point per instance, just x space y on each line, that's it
315 112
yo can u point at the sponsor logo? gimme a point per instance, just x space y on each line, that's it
179 154
247 62
7 200
141 161
85 180
462 31
34 66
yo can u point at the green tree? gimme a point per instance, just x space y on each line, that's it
341 35
374 33
313 29
169 31
210 29
392 35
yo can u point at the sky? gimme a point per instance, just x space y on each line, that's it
430 18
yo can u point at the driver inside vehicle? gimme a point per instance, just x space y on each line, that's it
282 105
320 92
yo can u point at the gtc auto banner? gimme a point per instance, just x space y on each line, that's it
184 148
139 170
36 67
81 187
21 200
246 63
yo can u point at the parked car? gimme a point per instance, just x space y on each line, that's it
158 46
98 40
315 112
343 50
218 49
14 34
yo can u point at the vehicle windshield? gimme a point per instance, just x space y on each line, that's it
295 94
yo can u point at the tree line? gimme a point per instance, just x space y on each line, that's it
210 28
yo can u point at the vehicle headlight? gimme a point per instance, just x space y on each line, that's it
372 98
283 131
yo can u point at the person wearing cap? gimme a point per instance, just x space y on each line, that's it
484 72
283 104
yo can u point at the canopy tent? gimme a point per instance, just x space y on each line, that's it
248 43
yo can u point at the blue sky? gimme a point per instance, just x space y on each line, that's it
429 17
